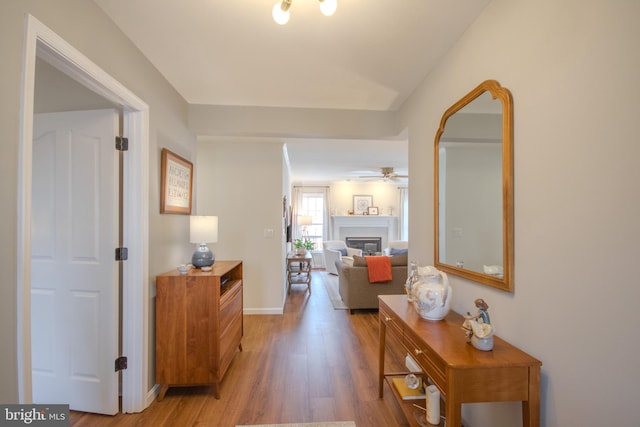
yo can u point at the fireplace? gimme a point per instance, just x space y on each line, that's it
365 226
369 245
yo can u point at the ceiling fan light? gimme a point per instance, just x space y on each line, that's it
280 12
328 7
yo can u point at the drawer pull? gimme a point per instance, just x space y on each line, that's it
388 319
417 351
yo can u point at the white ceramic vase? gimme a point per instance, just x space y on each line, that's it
431 294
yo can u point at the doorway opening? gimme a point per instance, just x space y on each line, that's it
42 43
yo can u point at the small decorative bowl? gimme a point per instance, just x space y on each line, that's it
183 269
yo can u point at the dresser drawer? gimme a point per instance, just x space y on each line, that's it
433 366
231 307
229 344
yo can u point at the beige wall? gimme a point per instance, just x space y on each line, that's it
291 122
384 194
241 181
572 67
168 128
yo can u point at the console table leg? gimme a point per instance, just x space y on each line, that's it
381 347
531 407
453 412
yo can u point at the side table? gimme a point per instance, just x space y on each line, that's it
299 270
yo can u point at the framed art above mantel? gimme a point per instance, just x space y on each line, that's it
361 203
176 186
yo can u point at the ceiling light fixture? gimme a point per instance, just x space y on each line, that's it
328 7
281 13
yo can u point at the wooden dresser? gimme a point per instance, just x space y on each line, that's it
462 373
198 325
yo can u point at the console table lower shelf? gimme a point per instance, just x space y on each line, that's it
413 408
462 373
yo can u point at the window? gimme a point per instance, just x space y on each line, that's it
313 206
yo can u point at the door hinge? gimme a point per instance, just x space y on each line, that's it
122 143
122 254
121 363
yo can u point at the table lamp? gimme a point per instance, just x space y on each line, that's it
203 230
304 221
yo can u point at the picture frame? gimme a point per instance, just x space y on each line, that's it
372 210
176 184
361 203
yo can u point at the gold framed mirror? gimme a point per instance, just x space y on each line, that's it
473 154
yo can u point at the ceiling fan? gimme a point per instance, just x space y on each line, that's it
386 173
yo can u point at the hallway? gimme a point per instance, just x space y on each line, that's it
312 363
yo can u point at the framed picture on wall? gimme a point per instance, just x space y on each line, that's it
361 203
176 186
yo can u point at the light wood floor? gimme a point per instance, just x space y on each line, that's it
313 363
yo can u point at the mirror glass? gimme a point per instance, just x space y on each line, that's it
474 187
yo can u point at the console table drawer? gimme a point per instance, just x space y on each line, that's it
431 364
392 322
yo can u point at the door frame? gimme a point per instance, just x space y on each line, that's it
42 42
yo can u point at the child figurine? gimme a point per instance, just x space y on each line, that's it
482 311
478 327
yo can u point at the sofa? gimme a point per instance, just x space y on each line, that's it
356 290
395 247
333 251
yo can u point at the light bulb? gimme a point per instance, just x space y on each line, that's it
328 7
280 15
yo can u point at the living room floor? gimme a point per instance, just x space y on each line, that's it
311 364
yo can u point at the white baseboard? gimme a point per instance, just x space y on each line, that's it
273 310
152 394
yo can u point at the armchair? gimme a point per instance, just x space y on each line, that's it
334 250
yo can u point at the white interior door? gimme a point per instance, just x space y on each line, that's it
74 275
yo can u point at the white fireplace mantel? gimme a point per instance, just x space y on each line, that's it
342 224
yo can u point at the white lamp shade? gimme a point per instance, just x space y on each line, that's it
203 229
305 220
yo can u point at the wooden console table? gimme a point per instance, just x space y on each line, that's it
462 373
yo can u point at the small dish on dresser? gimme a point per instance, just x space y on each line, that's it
206 268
